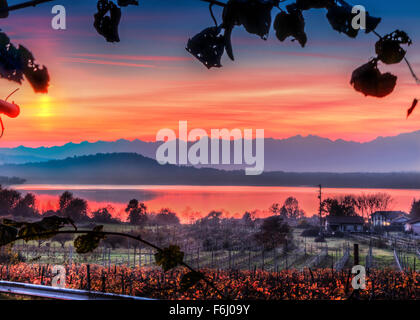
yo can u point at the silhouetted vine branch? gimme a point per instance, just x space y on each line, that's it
166 255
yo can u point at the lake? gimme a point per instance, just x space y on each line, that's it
192 202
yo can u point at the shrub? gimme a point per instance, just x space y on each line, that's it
311 232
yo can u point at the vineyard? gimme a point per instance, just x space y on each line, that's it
239 268
321 284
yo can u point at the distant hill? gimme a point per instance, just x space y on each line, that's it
131 168
5 181
296 154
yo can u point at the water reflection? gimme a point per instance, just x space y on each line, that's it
192 202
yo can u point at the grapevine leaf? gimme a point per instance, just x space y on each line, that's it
88 242
208 47
228 41
10 63
190 279
4 6
388 48
254 15
413 106
291 24
7 234
169 258
105 25
371 82
37 76
341 18
36 230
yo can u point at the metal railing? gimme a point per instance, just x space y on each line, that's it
49 292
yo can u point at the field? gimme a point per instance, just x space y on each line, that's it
321 284
240 269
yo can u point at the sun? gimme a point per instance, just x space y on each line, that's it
44 106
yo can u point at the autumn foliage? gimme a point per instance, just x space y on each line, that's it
322 284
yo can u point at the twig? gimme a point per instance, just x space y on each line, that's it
412 71
215 2
24 5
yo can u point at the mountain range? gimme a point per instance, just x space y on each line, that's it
399 153
135 169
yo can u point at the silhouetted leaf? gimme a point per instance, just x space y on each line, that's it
7 234
254 15
4 6
291 24
413 106
190 279
371 23
314 4
32 231
208 47
169 258
105 25
88 242
37 76
15 63
341 17
371 82
389 49
10 62
125 3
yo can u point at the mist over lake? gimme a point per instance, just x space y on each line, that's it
193 202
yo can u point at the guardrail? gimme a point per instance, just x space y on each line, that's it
48 292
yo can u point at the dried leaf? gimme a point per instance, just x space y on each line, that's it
413 106
340 18
10 61
18 62
169 258
4 13
208 47
37 76
389 49
291 24
254 15
105 25
371 82
190 279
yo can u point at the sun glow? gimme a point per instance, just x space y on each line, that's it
44 106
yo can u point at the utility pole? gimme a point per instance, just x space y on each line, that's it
320 206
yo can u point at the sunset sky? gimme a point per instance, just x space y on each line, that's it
132 89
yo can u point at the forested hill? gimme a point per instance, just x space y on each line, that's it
131 168
4 181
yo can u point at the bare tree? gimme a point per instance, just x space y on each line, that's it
370 203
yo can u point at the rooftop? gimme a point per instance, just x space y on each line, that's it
345 220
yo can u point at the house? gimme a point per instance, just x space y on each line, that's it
389 218
413 226
344 224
